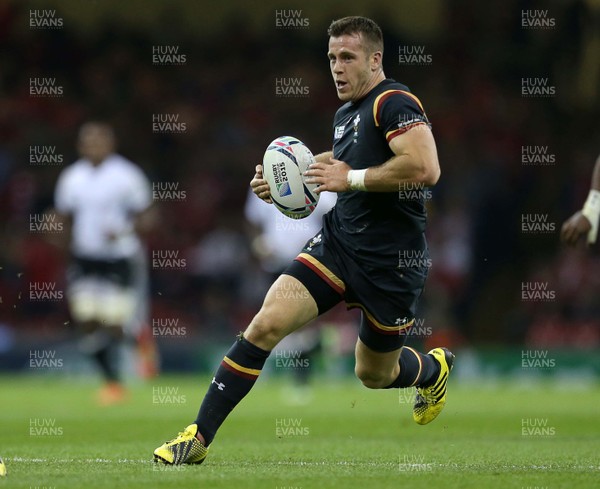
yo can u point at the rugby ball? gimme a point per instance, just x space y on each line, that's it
284 163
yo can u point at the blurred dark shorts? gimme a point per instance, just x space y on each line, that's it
118 271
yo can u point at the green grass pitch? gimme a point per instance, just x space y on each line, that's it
489 436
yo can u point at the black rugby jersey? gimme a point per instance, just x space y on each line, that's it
376 227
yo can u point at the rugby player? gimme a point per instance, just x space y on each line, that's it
381 143
585 221
105 199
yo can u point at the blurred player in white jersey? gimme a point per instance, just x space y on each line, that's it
104 199
585 222
281 237
278 241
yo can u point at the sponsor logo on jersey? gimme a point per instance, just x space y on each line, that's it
339 130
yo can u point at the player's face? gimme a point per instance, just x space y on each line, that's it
95 143
353 70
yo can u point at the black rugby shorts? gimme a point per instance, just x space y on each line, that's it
388 297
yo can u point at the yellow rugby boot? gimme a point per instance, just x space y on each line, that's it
185 449
430 400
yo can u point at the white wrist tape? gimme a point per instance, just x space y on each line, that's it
591 210
356 179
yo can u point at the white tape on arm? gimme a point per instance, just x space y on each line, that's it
356 179
591 210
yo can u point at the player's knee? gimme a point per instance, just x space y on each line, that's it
264 331
372 379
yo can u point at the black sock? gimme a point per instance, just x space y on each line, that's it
416 369
233 380
106 362
102 346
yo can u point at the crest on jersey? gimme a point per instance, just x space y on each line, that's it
355 123
316 240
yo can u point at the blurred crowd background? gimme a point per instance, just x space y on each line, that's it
225 92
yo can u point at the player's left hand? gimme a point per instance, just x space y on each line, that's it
260 186
331 176
575 227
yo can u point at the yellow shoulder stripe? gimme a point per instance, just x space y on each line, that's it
388 92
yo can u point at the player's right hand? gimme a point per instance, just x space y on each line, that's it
576 226
260 186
